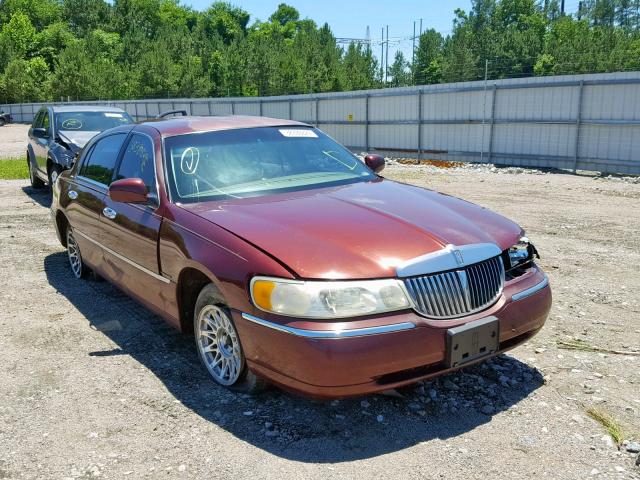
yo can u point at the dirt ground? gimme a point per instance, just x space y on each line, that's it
93 385
13 140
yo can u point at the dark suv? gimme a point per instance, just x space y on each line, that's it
58 133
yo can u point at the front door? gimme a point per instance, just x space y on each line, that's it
41 144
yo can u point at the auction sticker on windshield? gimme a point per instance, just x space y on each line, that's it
298 132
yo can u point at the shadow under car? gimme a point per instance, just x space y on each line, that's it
283 424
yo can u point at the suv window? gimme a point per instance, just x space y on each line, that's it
45 121
101 161
38 120
137 162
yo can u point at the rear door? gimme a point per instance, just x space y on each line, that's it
87 192
130 231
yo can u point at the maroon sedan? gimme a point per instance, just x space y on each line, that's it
291 260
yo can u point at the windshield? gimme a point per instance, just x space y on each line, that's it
257 161
91 121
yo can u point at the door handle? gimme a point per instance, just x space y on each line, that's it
110 213
72 194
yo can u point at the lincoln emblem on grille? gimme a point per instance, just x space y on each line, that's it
459 257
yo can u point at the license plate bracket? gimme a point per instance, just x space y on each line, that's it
472 341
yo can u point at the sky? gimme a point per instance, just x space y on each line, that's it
349 18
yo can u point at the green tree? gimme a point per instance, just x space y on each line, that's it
427 67
399 71
25 81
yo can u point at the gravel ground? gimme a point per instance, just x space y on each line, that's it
13 140
94 385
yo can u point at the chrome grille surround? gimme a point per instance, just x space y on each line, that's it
459 292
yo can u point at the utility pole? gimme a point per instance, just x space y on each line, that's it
368 41
413 48
382 56
386 70
562 7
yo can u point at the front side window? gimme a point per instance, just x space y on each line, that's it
37 122
45 121
257 161
101 161
137 162
90 121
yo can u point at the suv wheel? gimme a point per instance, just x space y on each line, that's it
219 345
54 172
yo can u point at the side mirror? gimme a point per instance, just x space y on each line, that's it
375 162
40 132
128 190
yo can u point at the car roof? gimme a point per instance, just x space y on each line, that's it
84 108
193 124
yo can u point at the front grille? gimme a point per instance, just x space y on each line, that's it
458 292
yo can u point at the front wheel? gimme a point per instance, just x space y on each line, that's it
75 258
54 172
219 345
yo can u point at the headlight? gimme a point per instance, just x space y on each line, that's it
521 253
330 299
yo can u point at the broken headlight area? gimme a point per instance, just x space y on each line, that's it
518 258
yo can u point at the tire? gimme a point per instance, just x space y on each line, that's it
219 346
33 176
54 171
3 122
78 268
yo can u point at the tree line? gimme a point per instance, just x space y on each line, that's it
91 49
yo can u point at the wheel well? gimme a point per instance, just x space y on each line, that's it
62 223
190 283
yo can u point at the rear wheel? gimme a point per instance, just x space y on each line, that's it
219 345
33 177
2 122
75 257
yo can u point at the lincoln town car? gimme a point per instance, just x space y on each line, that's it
291 260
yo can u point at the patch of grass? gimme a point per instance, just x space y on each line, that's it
614 429
13 169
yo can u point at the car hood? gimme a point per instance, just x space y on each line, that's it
76 138
361 230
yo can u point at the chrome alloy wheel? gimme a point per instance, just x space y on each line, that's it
218 345
75 259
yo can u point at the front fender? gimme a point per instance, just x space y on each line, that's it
61 156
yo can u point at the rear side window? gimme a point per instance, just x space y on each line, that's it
137 162
101 161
